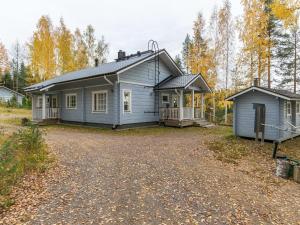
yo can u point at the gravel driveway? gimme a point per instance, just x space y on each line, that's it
167 178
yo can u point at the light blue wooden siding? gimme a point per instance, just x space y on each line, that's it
144 73
6 95
142 104
71 114
84 89
245 114
101 117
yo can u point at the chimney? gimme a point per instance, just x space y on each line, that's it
121 55
96 62
255 82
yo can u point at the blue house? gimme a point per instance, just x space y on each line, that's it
7 94
142 88
272 114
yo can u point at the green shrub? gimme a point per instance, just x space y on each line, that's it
23 152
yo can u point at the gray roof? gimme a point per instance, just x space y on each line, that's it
278 92
282 92
10 90
103 69
177 82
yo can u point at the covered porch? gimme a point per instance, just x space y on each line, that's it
182 101
45 107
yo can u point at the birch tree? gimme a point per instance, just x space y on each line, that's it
64 45
225 40
42 51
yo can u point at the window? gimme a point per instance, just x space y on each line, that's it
39 102
127 100
298 107
289 109
165 98
54 102
71 101
99 101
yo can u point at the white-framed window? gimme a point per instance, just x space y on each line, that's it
298 107
71 101
288 108
99 99
165 98
127 100
39 102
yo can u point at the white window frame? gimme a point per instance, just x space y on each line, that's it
93 101
297 104
38 105
288 105
69 95
162 98
130 100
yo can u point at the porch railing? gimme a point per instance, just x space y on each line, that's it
169 113
53 113
174 113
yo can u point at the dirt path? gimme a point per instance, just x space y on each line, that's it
170 178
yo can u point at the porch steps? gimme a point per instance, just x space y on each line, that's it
203 123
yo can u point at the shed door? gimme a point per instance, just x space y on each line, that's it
260 117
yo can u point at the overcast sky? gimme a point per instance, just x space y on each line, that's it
126 25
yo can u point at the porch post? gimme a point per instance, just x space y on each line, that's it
181 105
44 106
202 106
193 106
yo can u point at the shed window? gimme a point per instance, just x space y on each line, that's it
165 98
100 101
289 109
127 100
298 107
71 101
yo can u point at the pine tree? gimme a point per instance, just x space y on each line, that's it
42 52
178 61
8 82
185 52
64 43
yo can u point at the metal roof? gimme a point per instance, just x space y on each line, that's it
103 69
8 89
176 82
181 82
276 92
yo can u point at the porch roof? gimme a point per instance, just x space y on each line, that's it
183 82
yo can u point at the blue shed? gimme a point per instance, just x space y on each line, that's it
274 112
